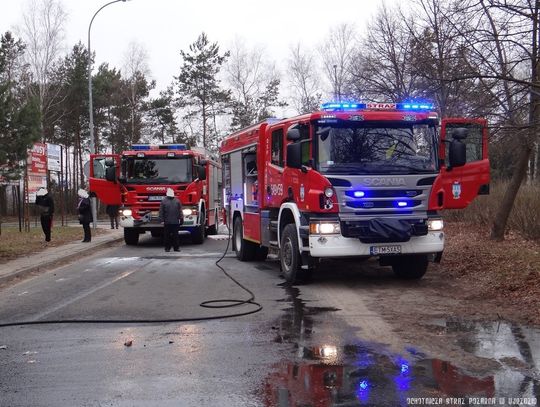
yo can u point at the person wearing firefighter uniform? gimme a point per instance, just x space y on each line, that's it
45 204
85 214
170 213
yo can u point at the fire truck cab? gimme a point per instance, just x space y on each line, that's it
137 181
351 180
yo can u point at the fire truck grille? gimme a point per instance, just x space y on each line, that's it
372 196
367 204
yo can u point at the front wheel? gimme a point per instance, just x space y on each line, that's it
131 236
213 230
291 262
411 267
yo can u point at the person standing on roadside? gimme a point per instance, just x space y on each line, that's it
170 213
112 211
45 204
85 214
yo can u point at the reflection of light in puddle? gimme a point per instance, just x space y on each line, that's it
516 348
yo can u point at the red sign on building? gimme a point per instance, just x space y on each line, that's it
38 159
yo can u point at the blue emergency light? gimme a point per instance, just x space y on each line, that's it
330 106
172 147
140 147
343 106
415 106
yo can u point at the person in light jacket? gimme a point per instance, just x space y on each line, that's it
85 214
170 213
45 204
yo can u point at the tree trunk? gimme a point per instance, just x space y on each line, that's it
505 207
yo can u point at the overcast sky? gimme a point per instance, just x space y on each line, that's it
164 27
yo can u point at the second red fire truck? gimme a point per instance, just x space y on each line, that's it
352 180
137 181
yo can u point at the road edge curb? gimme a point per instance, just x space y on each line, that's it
21 273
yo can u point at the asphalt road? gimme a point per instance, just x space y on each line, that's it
316 345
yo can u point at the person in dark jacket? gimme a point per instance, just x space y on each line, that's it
170 213
112 211
45 204
85 214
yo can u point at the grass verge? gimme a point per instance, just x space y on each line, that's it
15 244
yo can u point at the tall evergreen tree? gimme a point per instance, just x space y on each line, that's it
19 114
199 89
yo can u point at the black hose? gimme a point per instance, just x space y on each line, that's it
225 303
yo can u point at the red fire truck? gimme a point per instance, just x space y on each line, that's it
352 180
138 178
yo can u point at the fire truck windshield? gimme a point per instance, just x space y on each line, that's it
375 148
158 170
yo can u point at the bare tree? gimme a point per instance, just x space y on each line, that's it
382 69
254 84
336 54
42 31
304 79
136 71
503 52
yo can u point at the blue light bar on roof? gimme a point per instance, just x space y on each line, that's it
140 147
330 106
415 106
172 147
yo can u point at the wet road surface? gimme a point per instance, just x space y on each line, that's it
313 345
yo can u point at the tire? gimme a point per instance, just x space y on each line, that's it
412 267
131 236
199 233
244 249
289 255
212 230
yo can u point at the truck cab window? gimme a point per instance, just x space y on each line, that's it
473 140
277 147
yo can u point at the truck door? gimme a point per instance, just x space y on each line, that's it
108 192
457 186
274 193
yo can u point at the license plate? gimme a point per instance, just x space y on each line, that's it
154 214
379 250
155 198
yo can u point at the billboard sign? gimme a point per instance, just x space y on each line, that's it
35 181
38 159
53 157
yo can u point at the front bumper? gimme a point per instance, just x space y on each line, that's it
339 246
131 222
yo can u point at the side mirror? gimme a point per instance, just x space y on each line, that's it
201 173
293 133
110 174
294 155
460 133
457 153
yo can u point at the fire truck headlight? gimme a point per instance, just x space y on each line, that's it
127 212
187 212
329 192
324 228
435 224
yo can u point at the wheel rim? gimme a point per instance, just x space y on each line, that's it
237 239
287 254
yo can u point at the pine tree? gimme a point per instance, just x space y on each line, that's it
199 89
19 114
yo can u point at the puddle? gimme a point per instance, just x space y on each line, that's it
340 370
